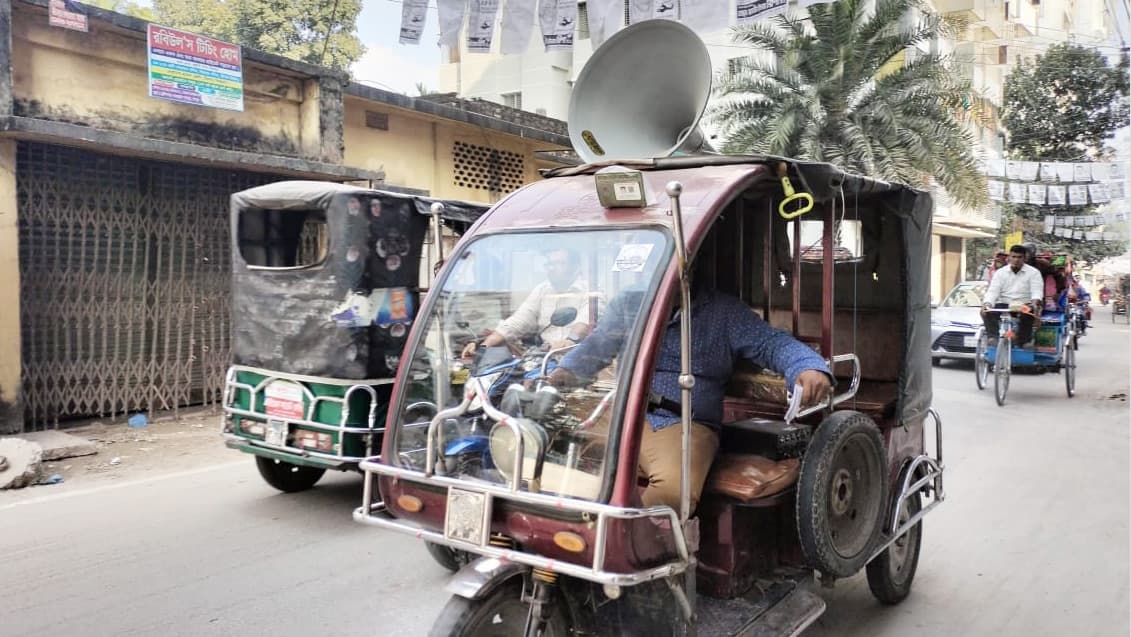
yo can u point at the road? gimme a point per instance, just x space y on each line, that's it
1032 539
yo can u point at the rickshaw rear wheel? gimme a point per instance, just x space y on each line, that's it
890 575
842 494
501 613
287 477
1002 368
981 366
449 558
1070 371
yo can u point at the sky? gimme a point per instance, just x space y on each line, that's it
389 65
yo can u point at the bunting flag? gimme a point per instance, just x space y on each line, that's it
1098 193
1017 193
1064 172
1037 194
1077 195
558 19
1101 171
747 11
1029 170
665 10
414 16
518 20
1013 169
640 10
995 168
605 17
1048 171
705 16
451 13
997 190
1081 172
481 25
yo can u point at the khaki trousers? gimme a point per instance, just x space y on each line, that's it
660 453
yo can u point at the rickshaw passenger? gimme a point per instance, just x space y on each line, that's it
723 329
561 289
1018 283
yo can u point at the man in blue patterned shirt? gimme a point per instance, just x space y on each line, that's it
723 330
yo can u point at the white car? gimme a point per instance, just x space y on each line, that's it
956 320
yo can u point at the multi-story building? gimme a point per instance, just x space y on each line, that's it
996 35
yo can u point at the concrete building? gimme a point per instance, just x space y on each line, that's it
998 33
114 264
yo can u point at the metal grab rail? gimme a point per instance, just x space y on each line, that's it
595 572
312 402
836 399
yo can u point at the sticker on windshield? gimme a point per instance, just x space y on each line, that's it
632 257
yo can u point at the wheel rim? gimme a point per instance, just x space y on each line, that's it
505 617
1001 371
900 551
981 367
1070 372
851 510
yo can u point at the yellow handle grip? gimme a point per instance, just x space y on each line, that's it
791 196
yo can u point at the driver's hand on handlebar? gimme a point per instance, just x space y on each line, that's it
469 349
815 386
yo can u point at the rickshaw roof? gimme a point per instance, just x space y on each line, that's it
298 194
569 198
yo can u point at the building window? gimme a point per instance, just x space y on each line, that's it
582 21
485 168
513 100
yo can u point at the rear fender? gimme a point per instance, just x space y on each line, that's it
479 578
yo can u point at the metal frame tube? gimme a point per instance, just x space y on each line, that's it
686 379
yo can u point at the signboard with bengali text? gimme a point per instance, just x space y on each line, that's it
193 69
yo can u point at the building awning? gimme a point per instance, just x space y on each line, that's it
956 231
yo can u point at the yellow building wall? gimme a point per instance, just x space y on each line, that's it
11 415
417 151
100 79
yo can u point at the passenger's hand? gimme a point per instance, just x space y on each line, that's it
815 386
562 377
469 349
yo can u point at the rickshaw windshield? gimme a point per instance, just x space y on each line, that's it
507 311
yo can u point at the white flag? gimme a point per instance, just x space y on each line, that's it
1093 236
518 20
1115 189
1081 172
1078 195
997 189
1056 195
605 17
809 3
1117 171
481 25
1050 223
1101 171
1098 192
747 11
640 10
1029 170
1017 193
995 168
1064 171
1037 194
414 16
705 16
1048 171
558 19
1013 169
665 10
451 14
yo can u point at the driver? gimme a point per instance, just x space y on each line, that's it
723 330
1018 283
561 289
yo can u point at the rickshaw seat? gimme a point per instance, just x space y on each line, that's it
747 477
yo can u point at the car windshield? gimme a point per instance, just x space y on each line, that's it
506 311
965 295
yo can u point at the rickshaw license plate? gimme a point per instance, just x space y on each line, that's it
276 433
467 517
970 341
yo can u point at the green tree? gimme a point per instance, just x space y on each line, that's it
1063 106
314 31
848 85
123 6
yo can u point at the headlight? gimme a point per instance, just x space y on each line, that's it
502 444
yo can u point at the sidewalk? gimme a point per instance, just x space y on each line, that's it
165 445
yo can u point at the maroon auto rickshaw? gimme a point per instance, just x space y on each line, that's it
541 483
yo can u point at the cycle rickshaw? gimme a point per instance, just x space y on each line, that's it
1053 348
541 483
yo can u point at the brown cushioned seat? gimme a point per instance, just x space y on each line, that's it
747 477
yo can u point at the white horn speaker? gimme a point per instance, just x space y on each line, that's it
641 94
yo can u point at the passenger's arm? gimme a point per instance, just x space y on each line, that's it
753 339
600 348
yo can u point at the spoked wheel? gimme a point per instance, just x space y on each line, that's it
287 477
981 365
891 573
449 558
502 613
1002 364
1070 371
842 494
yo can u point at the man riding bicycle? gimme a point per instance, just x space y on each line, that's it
1016 283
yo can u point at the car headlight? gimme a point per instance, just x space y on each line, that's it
502 444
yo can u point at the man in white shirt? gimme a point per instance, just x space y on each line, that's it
1018 282
560 290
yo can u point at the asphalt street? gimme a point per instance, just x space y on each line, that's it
1032 538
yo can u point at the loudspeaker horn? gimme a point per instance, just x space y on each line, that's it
641 94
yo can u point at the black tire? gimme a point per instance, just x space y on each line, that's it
890 575
1002 365
842 494
981 365
1070 371
449 558
287 477
502 613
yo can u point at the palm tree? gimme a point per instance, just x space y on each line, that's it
830 89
